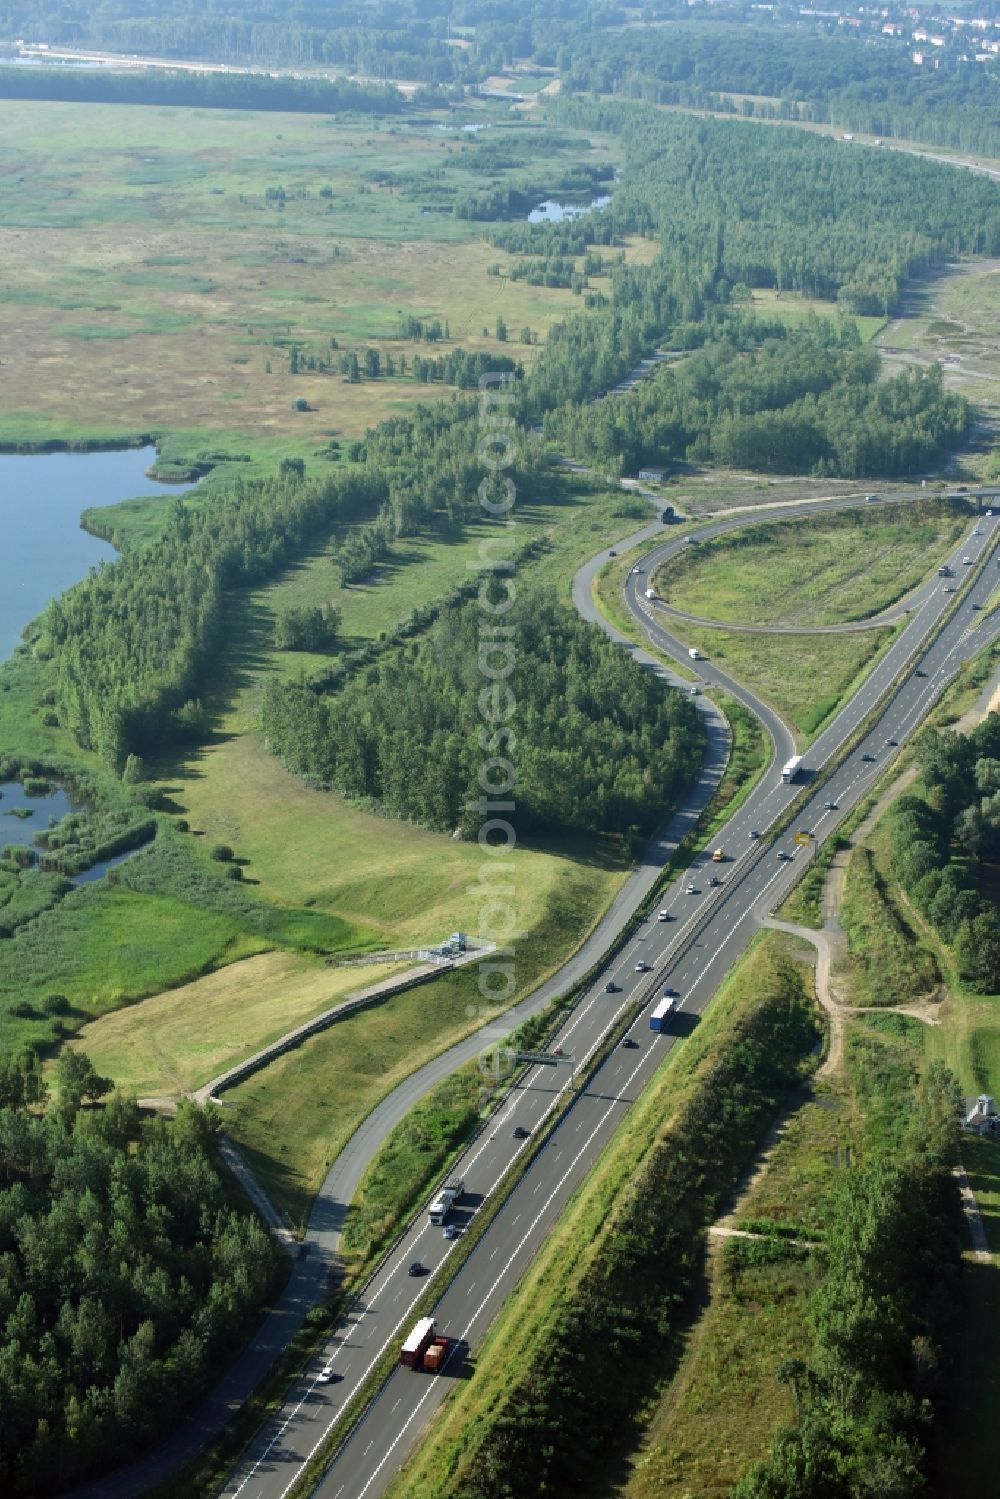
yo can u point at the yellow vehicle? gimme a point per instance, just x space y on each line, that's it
719 856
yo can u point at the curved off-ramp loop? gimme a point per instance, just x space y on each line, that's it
793 510
851 627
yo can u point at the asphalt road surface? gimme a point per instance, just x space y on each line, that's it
706 929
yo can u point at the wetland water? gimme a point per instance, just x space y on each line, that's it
43 549
551 212
23 815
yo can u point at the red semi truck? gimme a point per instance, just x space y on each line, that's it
423 1349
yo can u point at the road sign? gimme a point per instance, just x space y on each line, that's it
546 1058
801 838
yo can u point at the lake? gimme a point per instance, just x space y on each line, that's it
44 550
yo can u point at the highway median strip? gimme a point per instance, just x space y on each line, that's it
364 1397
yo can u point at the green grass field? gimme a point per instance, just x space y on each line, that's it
827 570
103 946
806 677
792 309
179 1039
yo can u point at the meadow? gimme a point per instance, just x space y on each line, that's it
160 264
180 1039
826 570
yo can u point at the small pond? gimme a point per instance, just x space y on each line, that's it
551 212
20 829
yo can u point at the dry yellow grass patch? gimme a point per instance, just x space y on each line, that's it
178 1040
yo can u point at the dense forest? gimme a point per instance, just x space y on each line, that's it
788 209
125 1273
598 745
865 84
793 71
762 396
946 845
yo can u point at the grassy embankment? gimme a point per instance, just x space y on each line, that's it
183 1037
789 308
887 962
726 1403
599 1226
294 1116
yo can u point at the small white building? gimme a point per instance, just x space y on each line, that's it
979 1114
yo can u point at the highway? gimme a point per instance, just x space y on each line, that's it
707 929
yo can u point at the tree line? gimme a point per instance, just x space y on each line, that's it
945 844
126 1274
598 745
128 647
194 90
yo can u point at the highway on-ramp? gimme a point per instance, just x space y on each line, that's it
706 930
